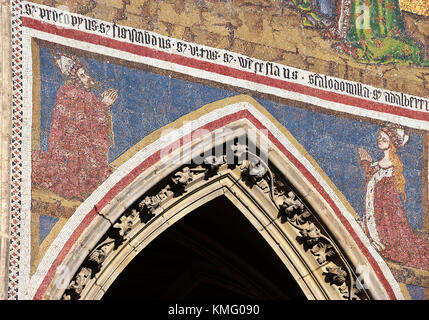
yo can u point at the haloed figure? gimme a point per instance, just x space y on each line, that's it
385 221
76 161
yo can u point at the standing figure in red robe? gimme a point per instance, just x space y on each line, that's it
76 162
385 221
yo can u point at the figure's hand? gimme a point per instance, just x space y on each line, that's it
109 97
364 155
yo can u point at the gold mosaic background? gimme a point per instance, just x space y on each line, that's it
420 7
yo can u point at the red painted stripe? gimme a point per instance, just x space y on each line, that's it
67 247
224 70
244 114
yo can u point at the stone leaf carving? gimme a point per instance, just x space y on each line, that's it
165 193
311 234
253 169
149 204
293 210
98 256
183 177
279 188
257 169
214 162
125 223
336 275
291 204
239 150
345 292
80 281
323 252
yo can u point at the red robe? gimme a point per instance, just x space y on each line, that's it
400 243
77 158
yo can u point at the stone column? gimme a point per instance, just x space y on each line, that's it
5 129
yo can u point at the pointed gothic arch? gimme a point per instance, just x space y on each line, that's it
279 189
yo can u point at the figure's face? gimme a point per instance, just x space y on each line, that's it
383 141
85 78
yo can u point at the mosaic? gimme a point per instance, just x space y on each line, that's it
82 109
370 31
67 170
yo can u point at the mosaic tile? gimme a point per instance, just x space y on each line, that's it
98 96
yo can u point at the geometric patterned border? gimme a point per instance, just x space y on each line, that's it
16 150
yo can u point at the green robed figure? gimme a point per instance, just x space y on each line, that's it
372 31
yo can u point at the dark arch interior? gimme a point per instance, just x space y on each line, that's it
212 253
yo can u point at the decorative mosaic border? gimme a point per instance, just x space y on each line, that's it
16 150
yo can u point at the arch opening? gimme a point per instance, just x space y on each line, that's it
216 254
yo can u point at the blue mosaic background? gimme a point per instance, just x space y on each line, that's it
46 223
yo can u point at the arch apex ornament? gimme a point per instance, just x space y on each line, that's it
261 168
